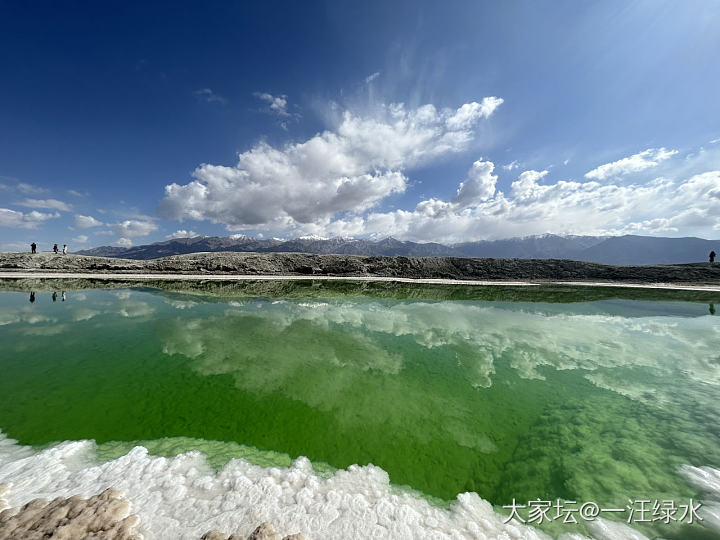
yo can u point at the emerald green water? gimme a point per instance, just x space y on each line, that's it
586 396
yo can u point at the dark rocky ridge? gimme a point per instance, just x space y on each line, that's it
303 264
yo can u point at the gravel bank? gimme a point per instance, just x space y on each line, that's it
222 265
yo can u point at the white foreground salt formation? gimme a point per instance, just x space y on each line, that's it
707 480
182 497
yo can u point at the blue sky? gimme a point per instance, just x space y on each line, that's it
126 123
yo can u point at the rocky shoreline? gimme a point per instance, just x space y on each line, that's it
319 265
105 516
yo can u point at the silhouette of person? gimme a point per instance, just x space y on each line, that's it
32 297
55 249
712 257
712 309
64 249
54 297
33 248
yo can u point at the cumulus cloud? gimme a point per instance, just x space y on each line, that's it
479 185
86 222
635 163
527 184
332 183
347 170
131 228
24 220
276 104
511 166
466 116
123 242
50 204
208 96
182 233
80 239
660 206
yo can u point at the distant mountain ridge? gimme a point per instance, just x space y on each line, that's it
627 249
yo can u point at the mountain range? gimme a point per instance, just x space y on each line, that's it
619 250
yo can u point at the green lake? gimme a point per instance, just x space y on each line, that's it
582 394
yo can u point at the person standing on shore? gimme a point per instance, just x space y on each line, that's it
55 249
33 248
64 249
712 257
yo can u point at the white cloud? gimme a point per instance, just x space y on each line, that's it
123 242
467 115
347 170
277 104
527 184
30 189
80 239
85 222
207 95
22 187
479 185
51 204
370 78
131 228
22 220
635 163
657 207
510 166
182 233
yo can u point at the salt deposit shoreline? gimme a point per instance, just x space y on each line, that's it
152 497
429 281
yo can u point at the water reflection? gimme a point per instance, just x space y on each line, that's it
357 335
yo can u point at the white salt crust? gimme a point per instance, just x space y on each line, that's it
182 497
707 480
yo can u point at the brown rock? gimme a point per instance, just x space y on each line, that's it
214 535
264 531
105 516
